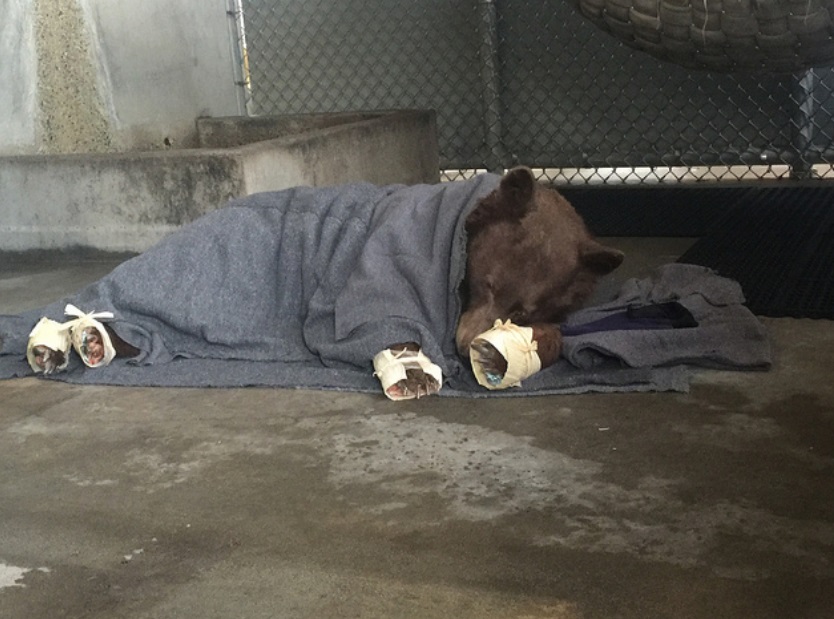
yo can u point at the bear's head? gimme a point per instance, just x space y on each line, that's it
530 258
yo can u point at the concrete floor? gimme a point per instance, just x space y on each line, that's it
249 503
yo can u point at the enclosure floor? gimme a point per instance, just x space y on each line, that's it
266 503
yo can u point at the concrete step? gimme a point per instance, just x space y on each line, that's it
129 201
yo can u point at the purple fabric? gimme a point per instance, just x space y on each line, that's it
670 315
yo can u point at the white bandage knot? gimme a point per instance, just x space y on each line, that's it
518 348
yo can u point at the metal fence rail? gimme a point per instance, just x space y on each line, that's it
533 82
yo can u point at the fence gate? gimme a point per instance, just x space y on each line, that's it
533 82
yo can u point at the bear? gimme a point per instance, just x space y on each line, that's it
529 259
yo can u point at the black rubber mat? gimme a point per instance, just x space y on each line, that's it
777 242
779 245
651 211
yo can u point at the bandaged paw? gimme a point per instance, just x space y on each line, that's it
49 346
391 367
89 337
518 349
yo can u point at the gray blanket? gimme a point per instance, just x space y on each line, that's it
727 336
301 288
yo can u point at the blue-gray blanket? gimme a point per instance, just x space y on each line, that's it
301 288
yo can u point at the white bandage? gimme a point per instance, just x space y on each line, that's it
52 335
516 345
390 367
83 322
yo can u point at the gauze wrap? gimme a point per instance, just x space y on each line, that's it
516 345
54 335
390 367
84 321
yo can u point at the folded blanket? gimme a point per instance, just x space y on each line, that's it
725 334
301 288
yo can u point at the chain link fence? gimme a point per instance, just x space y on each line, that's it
533 82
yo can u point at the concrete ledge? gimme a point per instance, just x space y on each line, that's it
129 201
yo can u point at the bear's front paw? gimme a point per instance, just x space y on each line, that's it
492 363
406 373
504 355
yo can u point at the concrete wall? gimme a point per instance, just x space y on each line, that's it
104 76
129 201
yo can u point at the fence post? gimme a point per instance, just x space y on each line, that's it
240 55
491 84
803 124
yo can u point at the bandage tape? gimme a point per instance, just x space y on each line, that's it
518 348
390 368
51 334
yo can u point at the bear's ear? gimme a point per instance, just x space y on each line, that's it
508 203
517 187
598 258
